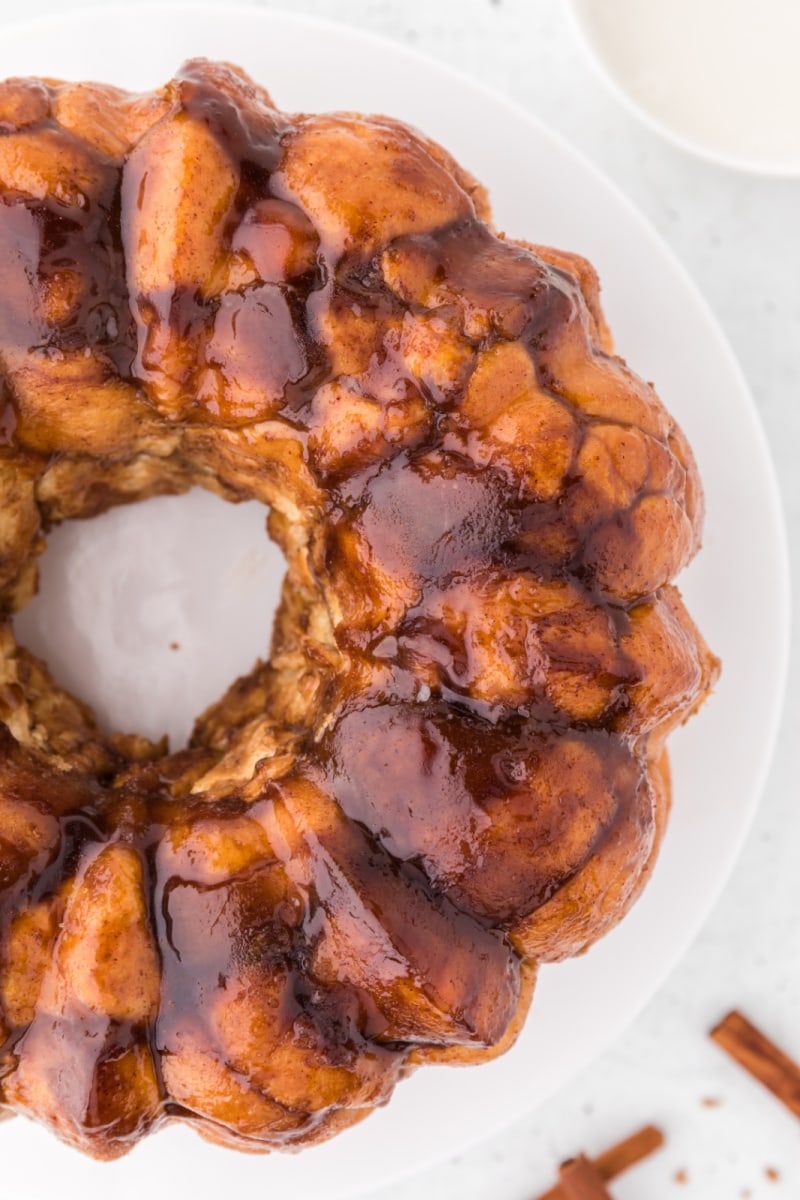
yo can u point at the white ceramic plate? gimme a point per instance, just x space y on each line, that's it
737 589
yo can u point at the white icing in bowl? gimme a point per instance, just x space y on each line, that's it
719 77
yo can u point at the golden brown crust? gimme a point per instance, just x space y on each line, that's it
452 766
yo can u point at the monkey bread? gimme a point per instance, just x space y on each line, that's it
452 766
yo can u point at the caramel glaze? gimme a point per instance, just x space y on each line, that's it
452 766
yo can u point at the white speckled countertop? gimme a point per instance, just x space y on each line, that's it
740 239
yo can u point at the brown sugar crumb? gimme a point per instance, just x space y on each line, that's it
772 1174
711 1102
174 645
745 1193
681 1176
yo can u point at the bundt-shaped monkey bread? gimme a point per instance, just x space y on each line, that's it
452 767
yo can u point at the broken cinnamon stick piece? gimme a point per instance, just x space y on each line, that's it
580 1180
626 1154
760 1057
618 1158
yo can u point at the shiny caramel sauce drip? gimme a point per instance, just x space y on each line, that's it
478 655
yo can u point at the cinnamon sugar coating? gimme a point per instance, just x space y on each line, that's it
452 766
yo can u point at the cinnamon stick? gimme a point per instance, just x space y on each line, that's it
760 1057
628 1153
579 1180
618 1158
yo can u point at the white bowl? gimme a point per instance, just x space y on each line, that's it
630 46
